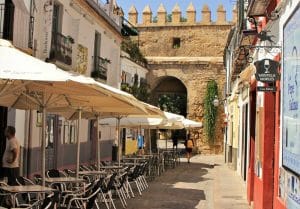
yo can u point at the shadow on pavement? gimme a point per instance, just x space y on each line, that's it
187 172
177 188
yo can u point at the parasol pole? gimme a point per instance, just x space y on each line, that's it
119 141
43 144
78 142
98 143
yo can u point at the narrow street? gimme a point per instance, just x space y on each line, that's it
205 183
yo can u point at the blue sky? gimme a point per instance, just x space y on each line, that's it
169 4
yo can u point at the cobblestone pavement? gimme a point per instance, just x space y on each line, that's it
205 183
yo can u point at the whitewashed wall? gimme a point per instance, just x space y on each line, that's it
78 24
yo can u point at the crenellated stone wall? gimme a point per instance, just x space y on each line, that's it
197 59
178 18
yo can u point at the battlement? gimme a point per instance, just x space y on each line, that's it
177 19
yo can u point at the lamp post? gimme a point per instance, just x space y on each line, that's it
216 101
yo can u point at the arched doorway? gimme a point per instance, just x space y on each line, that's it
170 94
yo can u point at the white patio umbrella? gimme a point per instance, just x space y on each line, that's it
153 117
116 115
132 122
116 102
191 124
29 83
157 119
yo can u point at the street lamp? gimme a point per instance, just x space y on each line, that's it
216 101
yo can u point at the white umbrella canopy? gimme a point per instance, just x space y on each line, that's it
20 66
115 103
132 122
172 121
192 124
153 117
172 117
28 83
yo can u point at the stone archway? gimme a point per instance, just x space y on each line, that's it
170 89
193 75
170 94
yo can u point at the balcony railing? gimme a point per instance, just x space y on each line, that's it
103 10
100 68
61 48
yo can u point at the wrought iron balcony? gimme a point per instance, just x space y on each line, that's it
100 68
61 48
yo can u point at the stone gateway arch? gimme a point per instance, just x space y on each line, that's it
192 52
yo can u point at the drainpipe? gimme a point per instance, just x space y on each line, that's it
29 144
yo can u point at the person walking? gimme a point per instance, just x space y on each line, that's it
10 161
175 140
189 144
140 140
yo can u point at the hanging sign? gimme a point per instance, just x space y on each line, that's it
267 71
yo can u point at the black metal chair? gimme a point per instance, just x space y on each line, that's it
27 198
88 197
37 178
54 173
106 190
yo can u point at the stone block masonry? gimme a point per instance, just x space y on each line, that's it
189 51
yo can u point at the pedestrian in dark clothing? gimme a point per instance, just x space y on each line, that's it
10 161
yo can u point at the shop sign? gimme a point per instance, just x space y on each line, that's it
266 88
266 71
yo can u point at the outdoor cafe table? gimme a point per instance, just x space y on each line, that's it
14 190
64 180
92 173
111 167
135 159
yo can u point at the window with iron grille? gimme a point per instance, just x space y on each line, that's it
100 64
61 45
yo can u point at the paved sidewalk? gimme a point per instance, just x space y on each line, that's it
205 183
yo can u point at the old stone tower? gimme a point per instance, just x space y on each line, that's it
183 55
